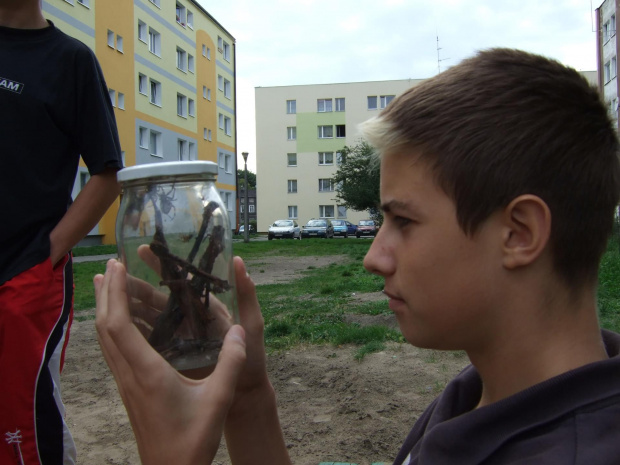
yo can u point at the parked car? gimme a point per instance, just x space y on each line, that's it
284 228
366 228
343 228
241 229
318 228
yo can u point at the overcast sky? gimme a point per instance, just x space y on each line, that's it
289 42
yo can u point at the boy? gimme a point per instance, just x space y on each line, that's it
499 180
54 108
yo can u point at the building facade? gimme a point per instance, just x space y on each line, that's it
170 70
606 51
300 131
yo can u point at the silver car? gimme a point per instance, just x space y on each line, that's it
284 228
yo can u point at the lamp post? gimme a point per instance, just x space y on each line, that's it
246 231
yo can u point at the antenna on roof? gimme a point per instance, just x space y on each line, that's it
439 60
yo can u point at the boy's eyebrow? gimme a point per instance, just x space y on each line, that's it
394 204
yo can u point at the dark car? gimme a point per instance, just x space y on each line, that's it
366 228
318 228
343 228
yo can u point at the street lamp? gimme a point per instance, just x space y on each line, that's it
246 231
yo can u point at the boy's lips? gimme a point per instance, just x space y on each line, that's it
395 302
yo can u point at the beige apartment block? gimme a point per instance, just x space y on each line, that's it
300 132
607 45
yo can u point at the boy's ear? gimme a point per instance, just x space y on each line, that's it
526 230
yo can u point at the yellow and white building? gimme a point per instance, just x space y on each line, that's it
300 131
170 69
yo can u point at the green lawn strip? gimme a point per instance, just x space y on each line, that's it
310 309
94 250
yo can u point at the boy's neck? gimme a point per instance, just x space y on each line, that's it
563 337
22 14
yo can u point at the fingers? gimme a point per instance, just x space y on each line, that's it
230 364
123 344
249 309
147 256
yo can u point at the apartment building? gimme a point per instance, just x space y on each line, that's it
606 52
170 68
300 131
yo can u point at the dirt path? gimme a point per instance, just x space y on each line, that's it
332 408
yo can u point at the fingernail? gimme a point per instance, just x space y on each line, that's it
236 332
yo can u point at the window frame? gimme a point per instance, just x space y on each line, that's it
291 107
291 133
288 159
323 129
324 156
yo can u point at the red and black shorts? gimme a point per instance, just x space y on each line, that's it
36 311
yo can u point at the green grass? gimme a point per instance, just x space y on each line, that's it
312 309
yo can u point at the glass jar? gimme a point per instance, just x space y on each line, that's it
174 238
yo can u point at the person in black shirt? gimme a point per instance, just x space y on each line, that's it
54 109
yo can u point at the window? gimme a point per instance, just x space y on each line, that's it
326 185
112 94
251 208
209 135
209 95
121 100
156 3
182 105
84 178
180 10
220 82
110 38
226 52
291 107
226 162
143 139
142 84
84 2
204 50
324 105
291 159
340 104
119 43
342 211
385 100
227 126
190 19
191 107
607 71
155 97
292 211
181 59
326 132
192 151
292 186
154 42
372 102
227 88
221 121
614 67
182 150
204 91
291 133
341 130
220 44
208 53
340 158
142 31
326 158
190 63
326 211
155 144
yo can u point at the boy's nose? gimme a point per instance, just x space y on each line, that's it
378 259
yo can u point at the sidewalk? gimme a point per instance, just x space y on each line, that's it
94 258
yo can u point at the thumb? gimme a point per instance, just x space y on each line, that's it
230 364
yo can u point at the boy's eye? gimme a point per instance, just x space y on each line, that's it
401 221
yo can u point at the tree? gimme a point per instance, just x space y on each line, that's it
357 180
251 179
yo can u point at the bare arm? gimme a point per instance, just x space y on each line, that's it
82 216
252 429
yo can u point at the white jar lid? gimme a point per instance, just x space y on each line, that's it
166 169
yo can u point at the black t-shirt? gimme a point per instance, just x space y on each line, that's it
573 418
54 108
